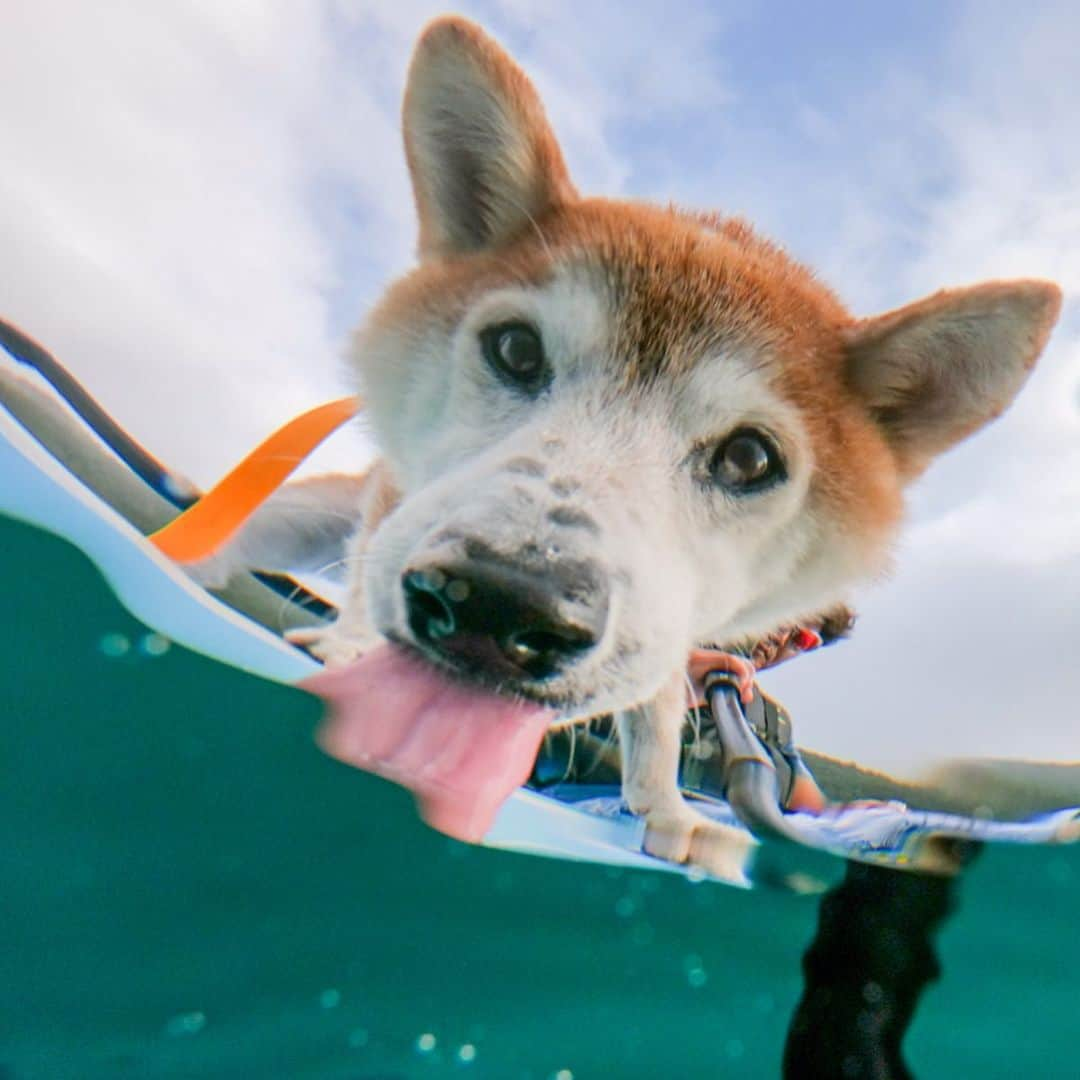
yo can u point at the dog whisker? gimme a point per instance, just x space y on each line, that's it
344 562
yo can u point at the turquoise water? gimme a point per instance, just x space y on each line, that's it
190 889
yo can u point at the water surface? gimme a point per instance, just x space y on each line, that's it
190 889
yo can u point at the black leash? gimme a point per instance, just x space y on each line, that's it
152 472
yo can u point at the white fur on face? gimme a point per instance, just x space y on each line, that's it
459 459
685 562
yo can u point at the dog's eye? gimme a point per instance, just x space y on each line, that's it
745 462
516 353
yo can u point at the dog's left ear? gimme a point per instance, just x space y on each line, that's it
483 158
937 370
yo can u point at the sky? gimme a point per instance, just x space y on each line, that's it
199 200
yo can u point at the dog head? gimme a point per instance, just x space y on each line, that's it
620 431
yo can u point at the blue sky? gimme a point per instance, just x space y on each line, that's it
198 201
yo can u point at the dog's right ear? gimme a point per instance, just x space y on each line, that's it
936 371
483 158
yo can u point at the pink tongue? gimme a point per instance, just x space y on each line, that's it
460 751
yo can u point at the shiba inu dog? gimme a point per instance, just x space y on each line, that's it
611 432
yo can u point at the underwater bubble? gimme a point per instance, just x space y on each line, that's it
358 1037
805 884
154 644
115 645
695 875
425 1043
330 999
734 1048
185 1024
625 907
764 1003
694 967
466 1053
691 960
563 1074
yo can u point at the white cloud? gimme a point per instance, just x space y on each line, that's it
967 649
156 212
199 199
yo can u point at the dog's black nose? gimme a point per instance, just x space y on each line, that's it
506 622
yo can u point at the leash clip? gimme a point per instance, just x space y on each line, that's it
763 772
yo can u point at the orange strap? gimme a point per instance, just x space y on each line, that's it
205 527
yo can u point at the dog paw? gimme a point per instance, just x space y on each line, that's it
334 646
694 841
